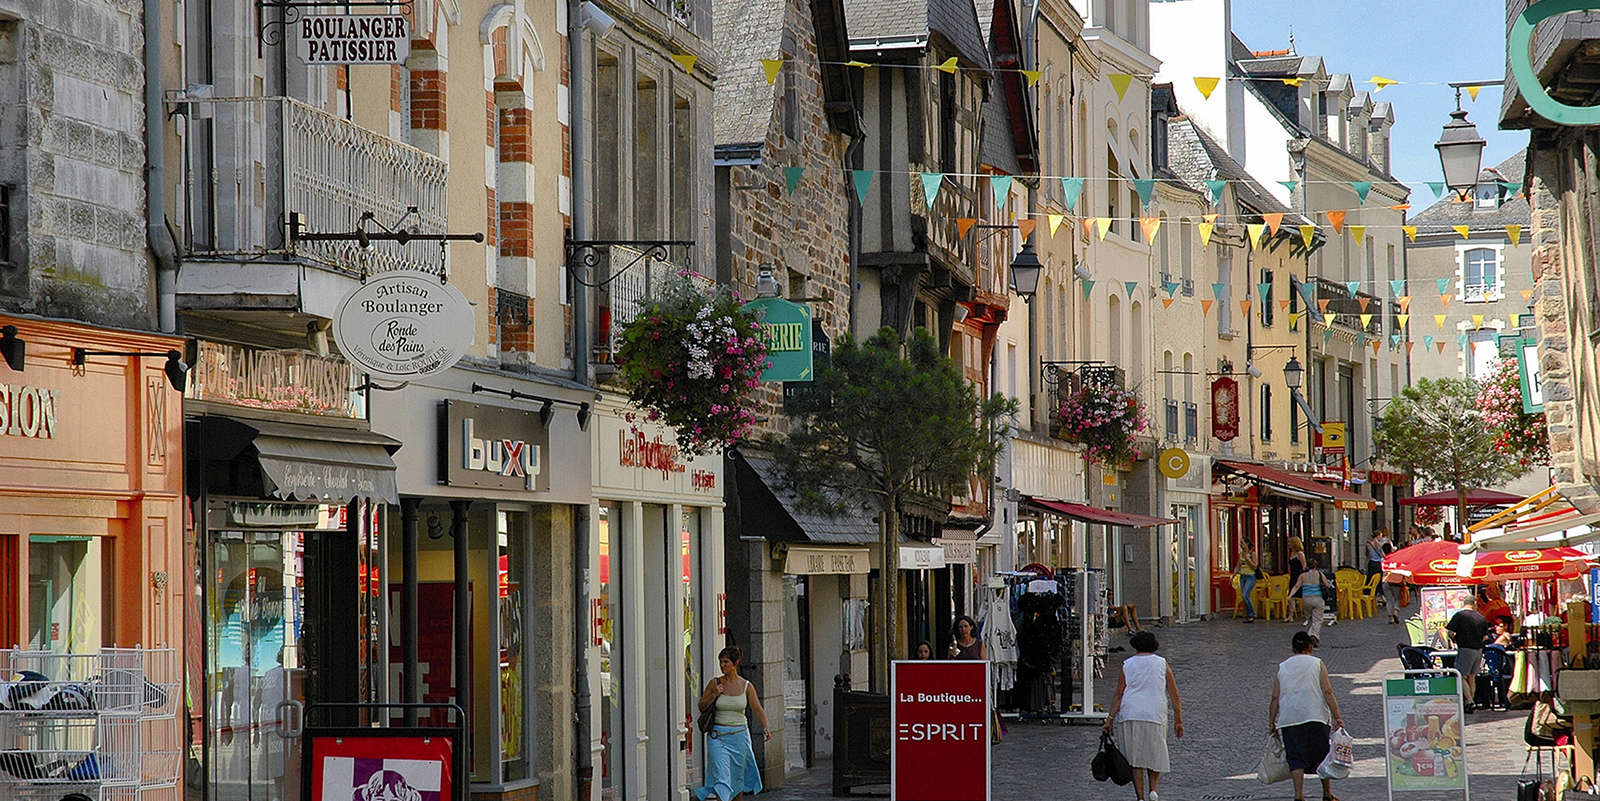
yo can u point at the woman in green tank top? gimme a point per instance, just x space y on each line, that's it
731 769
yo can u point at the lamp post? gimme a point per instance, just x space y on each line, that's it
1025 269
1293 374
1460 152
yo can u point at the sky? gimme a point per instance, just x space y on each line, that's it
1426 42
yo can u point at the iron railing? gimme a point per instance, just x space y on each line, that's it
631 281
1064 378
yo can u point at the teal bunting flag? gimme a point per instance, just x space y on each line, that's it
1073 187
791 177
1216 188
863 184
1443 284
1394 341
1327 335
1001 184
1461 340
1361 340
1290 185
1144 186
1130 285
1217 289
1427 342
1171 287
1353 286
1397 286
1362 188
1088 287
930 186
1511 187
1437 187
1264 291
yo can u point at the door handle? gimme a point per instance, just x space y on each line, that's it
287 730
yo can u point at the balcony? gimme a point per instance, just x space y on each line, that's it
1062 379
1345 310
631 281
251 162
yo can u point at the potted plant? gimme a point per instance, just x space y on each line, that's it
1103 419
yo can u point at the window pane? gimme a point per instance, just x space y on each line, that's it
513 537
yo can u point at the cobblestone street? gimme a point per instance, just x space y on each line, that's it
1224 670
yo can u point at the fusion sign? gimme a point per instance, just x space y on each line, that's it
353 39
403 324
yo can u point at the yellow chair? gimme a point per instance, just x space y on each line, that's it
1369 595
1347 583
1238 603
1277 595
1258 597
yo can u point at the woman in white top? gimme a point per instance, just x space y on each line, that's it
731 769
1302 709
1140 713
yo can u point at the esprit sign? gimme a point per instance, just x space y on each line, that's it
353 39
939 724
491 446
28 411
403 324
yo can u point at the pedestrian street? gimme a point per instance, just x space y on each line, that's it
1225 670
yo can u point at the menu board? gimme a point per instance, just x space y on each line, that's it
1439 604
1423 731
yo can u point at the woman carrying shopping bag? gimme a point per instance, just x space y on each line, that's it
731 769
1304 712
1139 712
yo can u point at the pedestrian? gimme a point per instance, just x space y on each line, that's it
1139 712
924 650
1297 563
1249 572
1377 547
1304 712
1311 585
965 643
1394 586
1469 631
731 769
1123 616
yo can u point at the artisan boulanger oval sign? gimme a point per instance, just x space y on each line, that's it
403 324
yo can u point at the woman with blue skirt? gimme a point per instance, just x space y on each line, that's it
730 760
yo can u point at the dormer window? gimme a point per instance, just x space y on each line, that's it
1486 196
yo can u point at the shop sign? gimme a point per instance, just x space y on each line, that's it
1423 726
404 324
813 561
353 39
282 380
1225 409
959 552
1332 437
28 411
921 557
703 481
275 515
821 357
1529 375
939 715
651 454
492 446
787 329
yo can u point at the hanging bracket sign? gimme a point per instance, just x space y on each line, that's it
403 325
786 327
353 38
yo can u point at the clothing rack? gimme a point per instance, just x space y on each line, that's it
1061 624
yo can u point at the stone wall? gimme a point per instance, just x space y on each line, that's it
72 153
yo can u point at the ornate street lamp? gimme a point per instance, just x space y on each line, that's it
1293 374
1460 152
1025 269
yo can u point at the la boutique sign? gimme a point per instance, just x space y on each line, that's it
403 324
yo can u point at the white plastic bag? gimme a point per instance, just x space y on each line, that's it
1341 756
1274 765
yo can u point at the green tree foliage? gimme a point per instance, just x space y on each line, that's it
1436 431
892 423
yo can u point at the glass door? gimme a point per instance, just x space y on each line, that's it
611 688
252 656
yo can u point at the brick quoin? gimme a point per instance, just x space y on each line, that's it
516 135
397 87
492 232
427 100
489 114
516 229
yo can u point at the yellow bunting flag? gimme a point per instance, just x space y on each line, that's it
1205 307
1150 225
1378 82
1473 90
1516 320
1294 319
1273 221
1206 86
1033 76
948 67
1444 300
1461 229
1358 232
1103 224
1255 229
1244 307
964 224
1477 321
860 65
1166 303
1026 226
1210 218
1402 319
1292 81
1527 295
1514 232
1205 233
1400 207
1366 320
1411 232
1405 303
1120 82
1336 219
1306 233
771 67
1438 322
1054 221
686 61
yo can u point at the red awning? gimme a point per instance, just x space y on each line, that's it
1475 497
1302 486
1094 514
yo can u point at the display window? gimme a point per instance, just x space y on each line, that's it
71 603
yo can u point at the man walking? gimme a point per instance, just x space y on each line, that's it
1468 630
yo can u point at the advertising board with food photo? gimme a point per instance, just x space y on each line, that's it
1423 732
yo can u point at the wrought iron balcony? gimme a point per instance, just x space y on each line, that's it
1345 309
630 279
1064 378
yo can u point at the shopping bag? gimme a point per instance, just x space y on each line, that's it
1342 748
1330 767
1110 764
1273 766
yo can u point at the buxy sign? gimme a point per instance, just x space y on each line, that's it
491 446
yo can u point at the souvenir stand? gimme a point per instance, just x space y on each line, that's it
1060 621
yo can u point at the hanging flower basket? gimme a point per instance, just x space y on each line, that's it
1104 419
1518 433
692 360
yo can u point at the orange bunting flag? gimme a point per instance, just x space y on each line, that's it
1205 307
964 224
1103 224
1306 233
1405 303
1206 86
1055 221
1244 307
1255 229
1438 322
1336 219
1210 218
1322 305
1439 346
1150 225
1444 300
1375 345
1364 301
1358 232
1273 221
1514 232
771 67
1205 233
1527 295
1284 304
1026 226
1400 207
1409 346
1411 232
1166 303
1460 229
1088 225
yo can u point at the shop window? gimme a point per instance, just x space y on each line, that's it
647 155
69 594
1266 412
512 561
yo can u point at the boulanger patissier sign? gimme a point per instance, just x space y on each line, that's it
403 324
353 39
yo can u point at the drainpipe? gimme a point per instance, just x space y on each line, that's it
577 128
155 152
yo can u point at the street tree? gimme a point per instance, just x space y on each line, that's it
894 424
1436 431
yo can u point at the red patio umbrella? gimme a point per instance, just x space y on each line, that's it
1475 497
1435 562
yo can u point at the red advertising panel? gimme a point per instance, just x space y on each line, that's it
380 764
1225 409
940 718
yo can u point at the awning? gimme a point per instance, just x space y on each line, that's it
1311 417
769 510
813 560
308 462
1475 497
921 557
1297 486
1094 514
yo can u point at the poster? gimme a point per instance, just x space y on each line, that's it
436 605
939 715
1422 725
396 765
1438 605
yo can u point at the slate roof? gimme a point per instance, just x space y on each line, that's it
743 33
997 149
1445 212
769 511
875 23
1195 158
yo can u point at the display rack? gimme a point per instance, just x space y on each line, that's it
1088 639
102 724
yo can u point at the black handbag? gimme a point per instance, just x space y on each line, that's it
1531 789
708 718
1109 763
